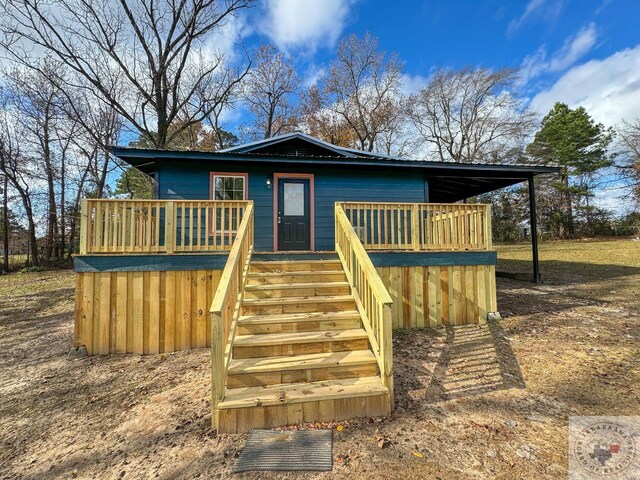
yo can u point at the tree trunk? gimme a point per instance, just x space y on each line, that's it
5 225
33 244
61 240
52 217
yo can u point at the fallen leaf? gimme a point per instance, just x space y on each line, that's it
417 454
339 428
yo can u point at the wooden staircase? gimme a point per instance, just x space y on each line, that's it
300 352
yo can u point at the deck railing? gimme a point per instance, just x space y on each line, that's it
226 304
371 296
158 226
421 226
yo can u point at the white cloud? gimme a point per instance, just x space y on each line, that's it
413 83
312 74
227 40
574 48
308 24
609 88
548 10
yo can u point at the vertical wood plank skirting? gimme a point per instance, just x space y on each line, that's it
144 312
440 295
167 311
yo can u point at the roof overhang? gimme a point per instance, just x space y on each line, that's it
448 182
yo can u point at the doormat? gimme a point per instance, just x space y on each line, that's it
287 451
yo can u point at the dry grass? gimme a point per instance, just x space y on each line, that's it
606 271
486 401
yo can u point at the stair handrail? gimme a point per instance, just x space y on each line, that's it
226 304
372 298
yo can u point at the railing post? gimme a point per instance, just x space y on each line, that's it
489 234
415 227
387 352
217 366
169 226
84 227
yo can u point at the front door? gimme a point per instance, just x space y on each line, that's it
294 214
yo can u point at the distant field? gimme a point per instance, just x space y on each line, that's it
15 261
608 270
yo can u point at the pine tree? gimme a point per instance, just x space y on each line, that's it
571 140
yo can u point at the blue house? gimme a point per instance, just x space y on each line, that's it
292 259
314 175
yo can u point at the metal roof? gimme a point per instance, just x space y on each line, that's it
448 181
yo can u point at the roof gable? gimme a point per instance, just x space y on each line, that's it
293 144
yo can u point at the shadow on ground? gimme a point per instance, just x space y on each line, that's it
453 362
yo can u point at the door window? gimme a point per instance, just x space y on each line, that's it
294 199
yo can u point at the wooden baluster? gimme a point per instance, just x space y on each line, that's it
415 227
169 226
85 227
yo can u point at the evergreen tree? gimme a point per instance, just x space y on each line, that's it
571 140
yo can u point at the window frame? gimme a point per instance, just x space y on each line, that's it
212 178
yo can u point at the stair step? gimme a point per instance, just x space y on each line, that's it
299 337
302 392
324 303
290 286
298 322
296 290
299 362
314 367
297 317
299 343
295 300
294 265
273 278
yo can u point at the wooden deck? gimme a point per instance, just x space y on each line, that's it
293 338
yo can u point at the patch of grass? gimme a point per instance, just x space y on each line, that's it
602 270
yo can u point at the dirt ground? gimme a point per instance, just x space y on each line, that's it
472 402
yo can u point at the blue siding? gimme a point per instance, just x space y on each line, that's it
189 180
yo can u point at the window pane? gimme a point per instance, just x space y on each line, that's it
228 187
294 199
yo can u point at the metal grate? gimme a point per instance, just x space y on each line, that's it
297 450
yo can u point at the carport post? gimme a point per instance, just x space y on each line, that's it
534 230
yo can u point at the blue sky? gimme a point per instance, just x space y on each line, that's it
578 51
581 52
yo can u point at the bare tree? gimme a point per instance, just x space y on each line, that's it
323 122
36 102
5 223
363 87
18 172
155 50
470 115
629 135
269 88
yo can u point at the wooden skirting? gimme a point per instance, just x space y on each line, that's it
166 311
440 295
144 312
